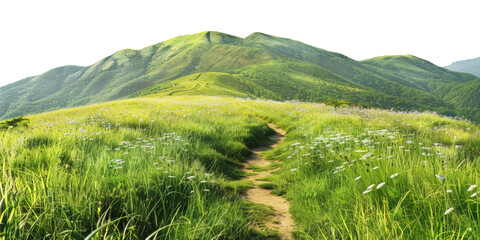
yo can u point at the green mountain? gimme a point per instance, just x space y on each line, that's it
260 65
459 90
469 66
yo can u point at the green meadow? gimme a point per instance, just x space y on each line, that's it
170 168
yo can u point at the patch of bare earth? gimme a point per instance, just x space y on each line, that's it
282 220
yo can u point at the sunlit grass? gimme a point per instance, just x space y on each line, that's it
371 174
169 168
133 169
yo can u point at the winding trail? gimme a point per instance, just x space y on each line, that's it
282 220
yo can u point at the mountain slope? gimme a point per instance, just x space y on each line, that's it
260 65
460 90
469 66
126 72
343 66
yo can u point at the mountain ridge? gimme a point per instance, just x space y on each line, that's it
259 65
469 66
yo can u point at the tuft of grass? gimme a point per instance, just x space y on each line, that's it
268 185
14 122
239 186
257 168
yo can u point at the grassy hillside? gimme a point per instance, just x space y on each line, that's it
259 65
293 79
168 168
208 83
460 90
469 66
126 72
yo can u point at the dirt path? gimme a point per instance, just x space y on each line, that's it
282 220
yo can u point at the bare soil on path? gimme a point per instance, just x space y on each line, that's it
282 219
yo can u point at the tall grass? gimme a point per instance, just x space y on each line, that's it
169 168
129 170
374 174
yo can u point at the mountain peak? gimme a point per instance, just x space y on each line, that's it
209 37
219 38
395 57
258 34
400 59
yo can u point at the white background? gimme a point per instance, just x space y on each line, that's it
36 36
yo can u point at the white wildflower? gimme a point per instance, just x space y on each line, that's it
367 191
448 211
440 177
